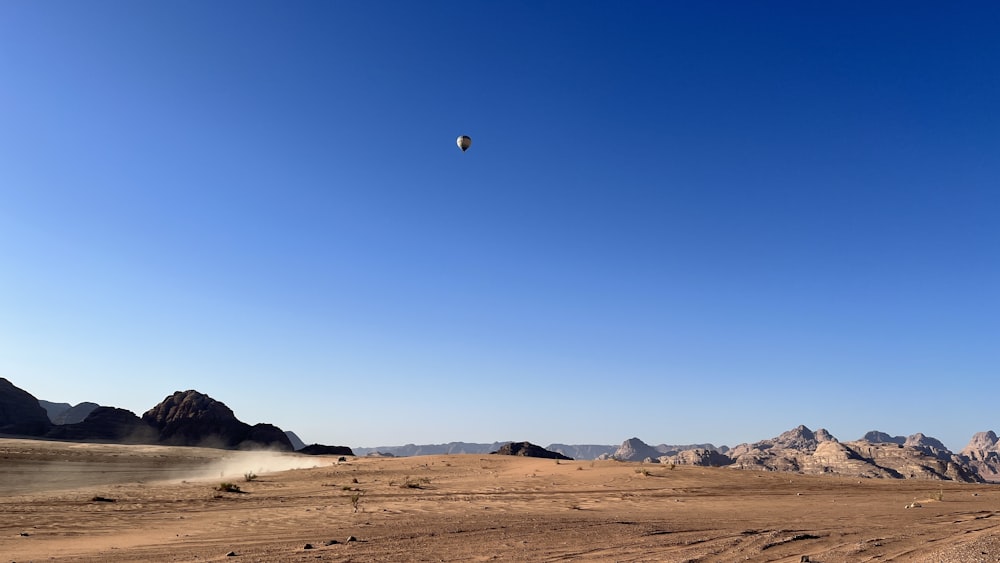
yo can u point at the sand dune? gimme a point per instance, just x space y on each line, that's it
464 508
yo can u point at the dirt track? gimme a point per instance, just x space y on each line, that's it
465 508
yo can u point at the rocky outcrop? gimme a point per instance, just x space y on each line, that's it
914 462
930 446
20 412
876 437
981 445
877 456
65 413
190 418
293 438
982 455
703 457
582 451
635 449
527 449
107 424
782 453
320 449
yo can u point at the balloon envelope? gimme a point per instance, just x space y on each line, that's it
464 142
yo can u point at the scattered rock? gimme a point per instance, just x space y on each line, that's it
331 542
351 538
307 546
231 554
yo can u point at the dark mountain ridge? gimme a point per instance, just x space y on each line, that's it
190 418
186 418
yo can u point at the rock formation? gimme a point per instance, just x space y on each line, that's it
876 437
982 455
527 449
320 449
703 457
190 418
635 449
582 451
107 424
65 413
20 413
293 438
802 451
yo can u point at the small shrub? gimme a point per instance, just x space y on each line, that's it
414 483
356 500
249 476
228 488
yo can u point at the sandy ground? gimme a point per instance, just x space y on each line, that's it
162 505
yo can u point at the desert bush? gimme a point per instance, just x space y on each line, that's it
356 500
249 476
228 488
414 483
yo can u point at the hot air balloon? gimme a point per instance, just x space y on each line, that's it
464 142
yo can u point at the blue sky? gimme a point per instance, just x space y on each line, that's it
682 221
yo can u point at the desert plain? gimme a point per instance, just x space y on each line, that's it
101 502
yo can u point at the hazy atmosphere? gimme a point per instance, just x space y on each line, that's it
683 221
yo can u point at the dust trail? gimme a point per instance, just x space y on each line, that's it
238 464
30 466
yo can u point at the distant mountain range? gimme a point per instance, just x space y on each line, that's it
191 418
186 418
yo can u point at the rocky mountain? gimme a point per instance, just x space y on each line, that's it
876 437
803 451
20 412
982 445
582 451
431 449
635 449
186 418
704 457
320 449
297 443
527 449
65 413
190 418
107 424
982 454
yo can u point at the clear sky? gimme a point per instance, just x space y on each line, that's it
682 221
